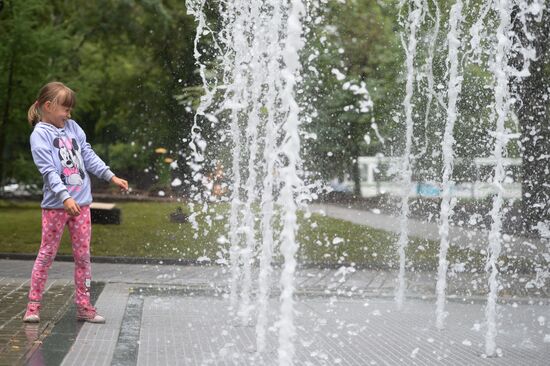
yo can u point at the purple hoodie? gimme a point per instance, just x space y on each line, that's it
64 159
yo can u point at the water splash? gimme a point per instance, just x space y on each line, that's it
235 79
501 109
254 84
412 24
289 176
506 46
198 143
273 52
454 87
260 64
429 72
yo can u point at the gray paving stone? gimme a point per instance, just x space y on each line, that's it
127 345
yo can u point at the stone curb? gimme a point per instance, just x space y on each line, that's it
105 259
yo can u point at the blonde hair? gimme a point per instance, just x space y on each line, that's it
55 92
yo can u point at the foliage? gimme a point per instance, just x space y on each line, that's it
131 63
29 43
127 60
359 40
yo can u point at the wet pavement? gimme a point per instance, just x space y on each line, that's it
18 341
47 342
178 315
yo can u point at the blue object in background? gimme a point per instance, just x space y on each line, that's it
427 190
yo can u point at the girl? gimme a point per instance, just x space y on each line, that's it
64 158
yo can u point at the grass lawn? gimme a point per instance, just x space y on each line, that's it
146 231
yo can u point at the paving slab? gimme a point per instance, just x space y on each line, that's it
95 343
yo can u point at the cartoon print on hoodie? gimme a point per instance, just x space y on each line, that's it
71 160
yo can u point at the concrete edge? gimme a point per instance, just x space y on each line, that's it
193 262
106 259
182 262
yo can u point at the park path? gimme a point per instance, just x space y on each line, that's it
462 237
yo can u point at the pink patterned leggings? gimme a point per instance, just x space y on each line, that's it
80 229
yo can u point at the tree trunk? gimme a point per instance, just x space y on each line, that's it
535 140
356 176
354 155
532 111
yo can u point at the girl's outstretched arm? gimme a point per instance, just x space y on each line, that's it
92 162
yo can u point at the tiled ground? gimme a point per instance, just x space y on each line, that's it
184 329
19 340
160 315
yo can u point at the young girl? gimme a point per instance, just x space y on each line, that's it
64 158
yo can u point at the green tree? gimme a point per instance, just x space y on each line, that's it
358 40
28 43
127 61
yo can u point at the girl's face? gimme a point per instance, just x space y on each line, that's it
56 114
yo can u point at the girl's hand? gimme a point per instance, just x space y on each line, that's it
122 183
71 207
